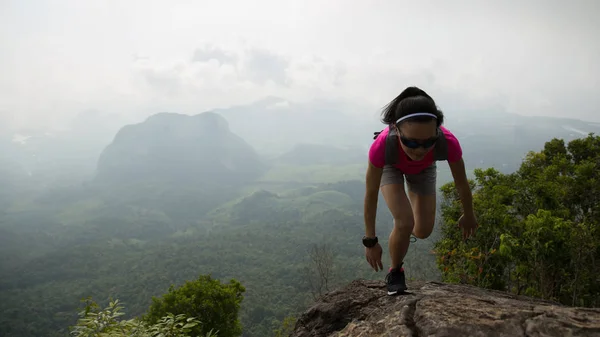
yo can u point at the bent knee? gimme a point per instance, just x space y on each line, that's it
407 222
423 231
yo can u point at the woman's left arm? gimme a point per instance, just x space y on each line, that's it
459 174
467 221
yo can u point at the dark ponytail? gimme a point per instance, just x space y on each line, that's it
410 101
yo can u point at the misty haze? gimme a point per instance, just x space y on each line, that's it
144 144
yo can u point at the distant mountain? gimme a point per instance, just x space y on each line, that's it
274 125
490 137
501 140
67 156
177 148
315 154
13 175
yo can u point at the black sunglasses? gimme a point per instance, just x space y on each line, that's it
415 144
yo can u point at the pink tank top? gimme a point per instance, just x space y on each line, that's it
406 165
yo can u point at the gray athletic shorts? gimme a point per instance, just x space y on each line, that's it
422 183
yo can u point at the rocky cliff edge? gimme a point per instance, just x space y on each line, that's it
434 309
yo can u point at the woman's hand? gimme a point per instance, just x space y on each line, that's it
469 225
373 255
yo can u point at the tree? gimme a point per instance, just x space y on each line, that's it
286 327
94 322
319 272
539 231
215 304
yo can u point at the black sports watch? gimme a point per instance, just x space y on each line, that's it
369 242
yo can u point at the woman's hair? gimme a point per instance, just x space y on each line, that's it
410 101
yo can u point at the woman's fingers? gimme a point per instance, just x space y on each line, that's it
370 262
375 263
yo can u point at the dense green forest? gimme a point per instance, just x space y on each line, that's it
540 227
263 240
134 238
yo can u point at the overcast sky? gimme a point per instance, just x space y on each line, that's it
137 57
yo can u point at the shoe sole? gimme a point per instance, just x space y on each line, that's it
397 292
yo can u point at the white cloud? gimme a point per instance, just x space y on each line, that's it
135 58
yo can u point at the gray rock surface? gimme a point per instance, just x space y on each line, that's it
434 309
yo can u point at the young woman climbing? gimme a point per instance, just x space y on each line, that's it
414 139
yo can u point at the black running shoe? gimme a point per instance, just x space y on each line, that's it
395 280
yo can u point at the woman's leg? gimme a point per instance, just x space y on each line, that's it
392 188
422 193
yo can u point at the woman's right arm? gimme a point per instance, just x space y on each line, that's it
373 179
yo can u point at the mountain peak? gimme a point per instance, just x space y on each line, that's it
435 309
173 146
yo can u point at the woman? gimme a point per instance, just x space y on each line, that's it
415 118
